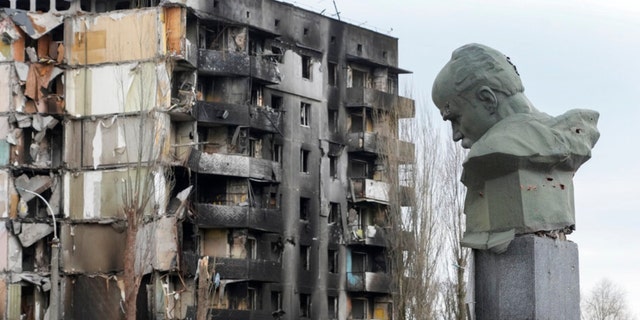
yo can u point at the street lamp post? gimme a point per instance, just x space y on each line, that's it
54 298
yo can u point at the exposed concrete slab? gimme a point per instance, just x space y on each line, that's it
32 232
536 278
36 184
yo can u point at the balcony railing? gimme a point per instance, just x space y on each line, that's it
229 63
379 282
249 269
363 189
264 69
373 142
231 314
367 97
370 235
222 216
262 118
223 63
234 165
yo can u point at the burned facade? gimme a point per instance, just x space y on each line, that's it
251 135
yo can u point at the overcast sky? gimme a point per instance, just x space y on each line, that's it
570 54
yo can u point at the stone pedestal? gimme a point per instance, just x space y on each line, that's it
536 278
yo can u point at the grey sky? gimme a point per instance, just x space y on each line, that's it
570 54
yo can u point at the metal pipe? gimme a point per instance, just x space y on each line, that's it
54 298
55 232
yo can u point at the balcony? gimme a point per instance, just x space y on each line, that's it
367 97
261 118
240 64
379 282
230 314
220 216
363 189
264 69
234 165
373 142
371 236
249 269
223 63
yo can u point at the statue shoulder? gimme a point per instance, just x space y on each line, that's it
541 138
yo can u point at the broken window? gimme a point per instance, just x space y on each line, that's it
379 263
306 67
359 309
305 305
255 148
273 201
358 169
277 102
358 262
253 298
333 261
304 209
333 167
333 121
256 95
304 257
237 294
256 44
304 161
250 246
359 79
305 114
332 72
276 300
206 88
276 155
332 303
334 212
359 48
263 195
357 123
221 37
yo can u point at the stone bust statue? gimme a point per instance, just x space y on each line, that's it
521 162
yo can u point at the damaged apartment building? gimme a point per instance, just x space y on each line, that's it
249 136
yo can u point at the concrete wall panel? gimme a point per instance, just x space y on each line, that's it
108 89
114 37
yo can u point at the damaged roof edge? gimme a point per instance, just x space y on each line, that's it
34 24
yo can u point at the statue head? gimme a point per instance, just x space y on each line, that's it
478 87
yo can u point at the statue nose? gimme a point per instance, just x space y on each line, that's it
457 135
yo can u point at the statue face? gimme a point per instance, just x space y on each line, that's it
469 117
470 111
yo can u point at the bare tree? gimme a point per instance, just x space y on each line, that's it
141 189
606 301
426 259
421 222
452 209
